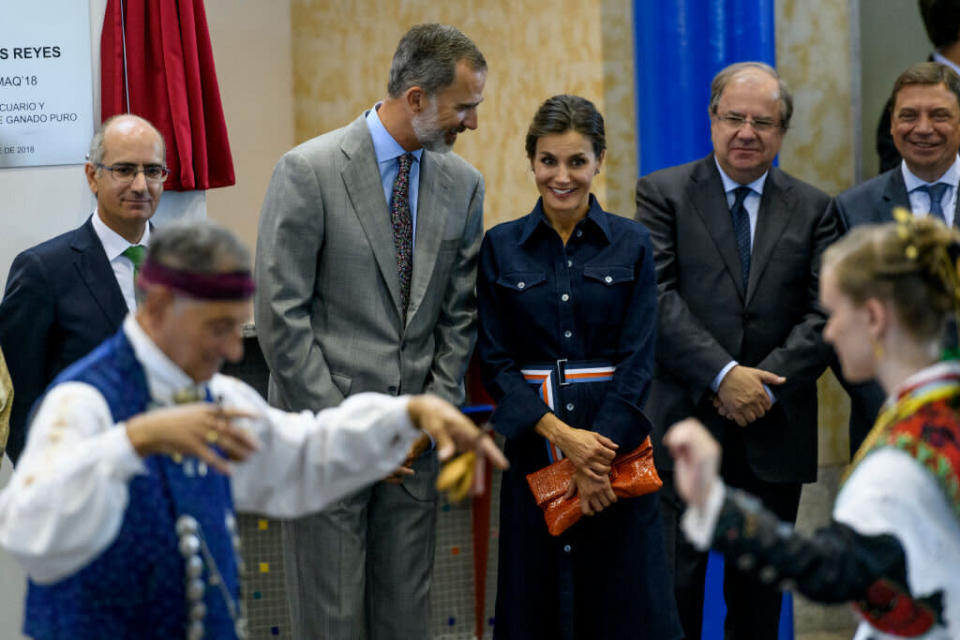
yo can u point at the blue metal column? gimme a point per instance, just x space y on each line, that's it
680 46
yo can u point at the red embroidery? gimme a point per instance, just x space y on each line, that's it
890 609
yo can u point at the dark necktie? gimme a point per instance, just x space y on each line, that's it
403 228
936 191
741 228
136 253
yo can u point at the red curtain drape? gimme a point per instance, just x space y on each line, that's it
171 81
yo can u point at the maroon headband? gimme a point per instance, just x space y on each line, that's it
233 285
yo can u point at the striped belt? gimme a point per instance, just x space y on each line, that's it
548 378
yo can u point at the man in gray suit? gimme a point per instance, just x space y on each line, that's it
737 246
366 261
925 127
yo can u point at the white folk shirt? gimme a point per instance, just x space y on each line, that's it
66 500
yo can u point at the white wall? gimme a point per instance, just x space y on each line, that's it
253 54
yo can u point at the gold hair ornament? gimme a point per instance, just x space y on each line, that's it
949 269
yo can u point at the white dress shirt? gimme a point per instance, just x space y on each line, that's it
114 245
66 500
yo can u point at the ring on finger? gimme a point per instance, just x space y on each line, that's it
212 436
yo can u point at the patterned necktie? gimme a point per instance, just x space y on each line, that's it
136 253
936 191
741 228
402 223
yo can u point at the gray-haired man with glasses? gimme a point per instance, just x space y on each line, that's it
737 246
68 294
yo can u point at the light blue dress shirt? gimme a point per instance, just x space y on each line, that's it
388 152
920 199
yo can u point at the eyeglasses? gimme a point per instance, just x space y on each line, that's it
735 121
126 172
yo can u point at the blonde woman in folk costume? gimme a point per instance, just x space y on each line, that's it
892 547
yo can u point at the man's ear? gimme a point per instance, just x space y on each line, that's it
156 300
91 172
415 99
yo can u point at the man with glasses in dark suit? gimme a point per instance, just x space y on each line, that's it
737 246
68 294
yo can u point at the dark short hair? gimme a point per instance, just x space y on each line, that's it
563 113
941 19
926 73
723 78
427 57
97 147
198 246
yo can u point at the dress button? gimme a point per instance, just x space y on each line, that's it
569 406
566 548
521 285
768 575
579 233
608 279
568 334
569 263
565 297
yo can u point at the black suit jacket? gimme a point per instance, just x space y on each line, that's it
706 319
61 300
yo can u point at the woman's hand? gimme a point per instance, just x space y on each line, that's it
595 495
589 451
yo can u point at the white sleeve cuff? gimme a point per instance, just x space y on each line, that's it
699 523
119 456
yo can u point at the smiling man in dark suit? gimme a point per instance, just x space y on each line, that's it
925 127
737 246
67 295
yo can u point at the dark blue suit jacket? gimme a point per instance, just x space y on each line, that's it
873 201
62 300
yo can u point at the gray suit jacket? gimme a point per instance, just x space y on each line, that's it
707 319
328 293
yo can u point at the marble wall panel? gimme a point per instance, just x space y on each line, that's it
342 52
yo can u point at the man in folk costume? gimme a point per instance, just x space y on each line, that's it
121 509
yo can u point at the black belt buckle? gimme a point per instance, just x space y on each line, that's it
562 372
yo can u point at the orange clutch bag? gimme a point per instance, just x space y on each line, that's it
631 474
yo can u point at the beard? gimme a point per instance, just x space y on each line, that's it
429 133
